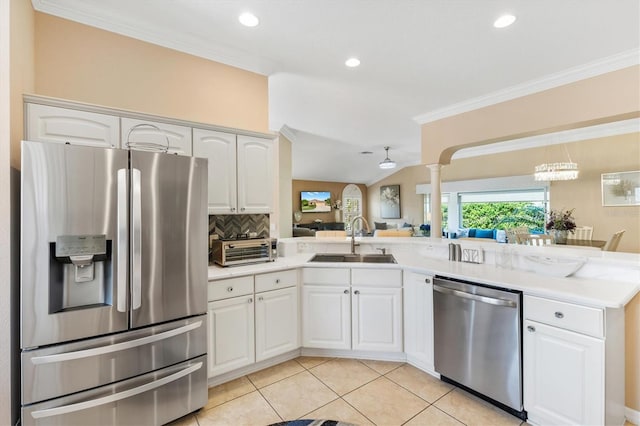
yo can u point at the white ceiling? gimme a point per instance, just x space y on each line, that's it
420 58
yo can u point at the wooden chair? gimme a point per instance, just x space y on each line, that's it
512 234
581 233
612 244
535 239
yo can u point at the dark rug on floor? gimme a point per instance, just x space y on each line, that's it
311 422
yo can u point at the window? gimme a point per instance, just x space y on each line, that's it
444 201
503 209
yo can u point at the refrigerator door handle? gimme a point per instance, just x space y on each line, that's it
102 350
136 240
122 239
66 409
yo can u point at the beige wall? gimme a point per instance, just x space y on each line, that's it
82 63
605 98
285 208
594 157
336 192
17 77
411 204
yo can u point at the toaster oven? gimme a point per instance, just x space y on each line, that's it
243 251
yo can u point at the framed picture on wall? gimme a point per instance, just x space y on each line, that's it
621 189
390 202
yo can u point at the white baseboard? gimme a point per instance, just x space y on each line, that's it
632 416
243 371
345 353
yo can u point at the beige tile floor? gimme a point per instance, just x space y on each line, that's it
355 391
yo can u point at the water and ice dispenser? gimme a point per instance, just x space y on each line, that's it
80 272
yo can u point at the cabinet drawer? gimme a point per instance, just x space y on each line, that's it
581 319
275 280
232 287
327 276
377 277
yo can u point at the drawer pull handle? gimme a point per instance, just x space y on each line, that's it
356 292
278 281
229 289
559 315
346 292
250 300
260 298
531 328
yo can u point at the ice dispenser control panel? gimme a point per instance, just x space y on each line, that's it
81 251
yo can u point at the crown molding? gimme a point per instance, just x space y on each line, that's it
565 136
602 66
288 133
172 40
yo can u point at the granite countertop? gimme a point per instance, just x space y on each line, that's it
592 291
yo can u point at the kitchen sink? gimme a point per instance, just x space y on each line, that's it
363 258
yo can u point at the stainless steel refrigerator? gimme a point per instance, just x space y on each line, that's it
113 285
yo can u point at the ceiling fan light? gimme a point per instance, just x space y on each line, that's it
387 163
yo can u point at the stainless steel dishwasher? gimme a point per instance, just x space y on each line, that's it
478 340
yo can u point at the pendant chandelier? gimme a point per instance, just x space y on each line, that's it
557 171
387 163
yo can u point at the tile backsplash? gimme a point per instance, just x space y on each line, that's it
228 226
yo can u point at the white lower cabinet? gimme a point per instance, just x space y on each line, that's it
326 317
276 322
231 334
418 320
376 319
358 309
573 363
246 326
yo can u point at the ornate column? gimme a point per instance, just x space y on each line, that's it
436 200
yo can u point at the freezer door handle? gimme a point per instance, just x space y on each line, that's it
66 409
136 240
122 239
476 297
102 350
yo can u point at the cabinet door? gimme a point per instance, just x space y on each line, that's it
377 319
220 149
52 124
149 132
276 322
418 319
255 175
231 334
326 320
563 376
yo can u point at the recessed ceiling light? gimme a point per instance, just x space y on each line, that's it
504 21
352 62
248 19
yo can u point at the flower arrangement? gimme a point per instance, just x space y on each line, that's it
426 229
337 205
561 220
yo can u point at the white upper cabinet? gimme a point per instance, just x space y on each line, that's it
53 124
220 149
255 175
241 178
160 135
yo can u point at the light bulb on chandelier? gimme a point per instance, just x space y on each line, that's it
557 171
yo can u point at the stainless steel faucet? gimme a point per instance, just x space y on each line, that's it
353 232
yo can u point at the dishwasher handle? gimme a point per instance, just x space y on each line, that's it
476 297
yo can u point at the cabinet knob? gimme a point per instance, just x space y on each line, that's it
346 292
250 300
278 281
427 280
241 209
559 315
531 328
356 292
229 289
260 299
